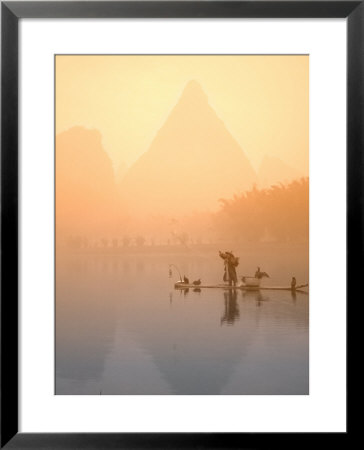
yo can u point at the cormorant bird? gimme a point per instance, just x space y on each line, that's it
259 274
293 283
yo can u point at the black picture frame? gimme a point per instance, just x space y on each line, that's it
11 13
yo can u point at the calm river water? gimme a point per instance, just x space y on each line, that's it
122 328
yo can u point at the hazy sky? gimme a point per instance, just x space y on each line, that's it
263 100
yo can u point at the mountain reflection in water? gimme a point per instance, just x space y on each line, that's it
121 328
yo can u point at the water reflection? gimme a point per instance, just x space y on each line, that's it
257 296
126 267
126 330
231 308
140 267
294 296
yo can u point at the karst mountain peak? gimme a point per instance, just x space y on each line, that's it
192 162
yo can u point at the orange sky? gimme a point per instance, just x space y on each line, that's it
263 100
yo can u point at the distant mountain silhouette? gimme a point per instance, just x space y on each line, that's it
191 163
86 197
273 170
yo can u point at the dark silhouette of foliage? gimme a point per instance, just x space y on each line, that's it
280 213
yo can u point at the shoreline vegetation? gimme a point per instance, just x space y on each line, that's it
178 249
277 215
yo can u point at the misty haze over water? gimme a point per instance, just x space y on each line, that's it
122 328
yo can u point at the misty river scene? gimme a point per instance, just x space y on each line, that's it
122 328
182 225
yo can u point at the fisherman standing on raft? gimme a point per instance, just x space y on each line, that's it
230 264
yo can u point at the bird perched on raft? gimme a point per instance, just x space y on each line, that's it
259 274
186 280
197 282
293 283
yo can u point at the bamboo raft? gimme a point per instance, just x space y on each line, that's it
299 288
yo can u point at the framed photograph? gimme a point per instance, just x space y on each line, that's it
181 219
